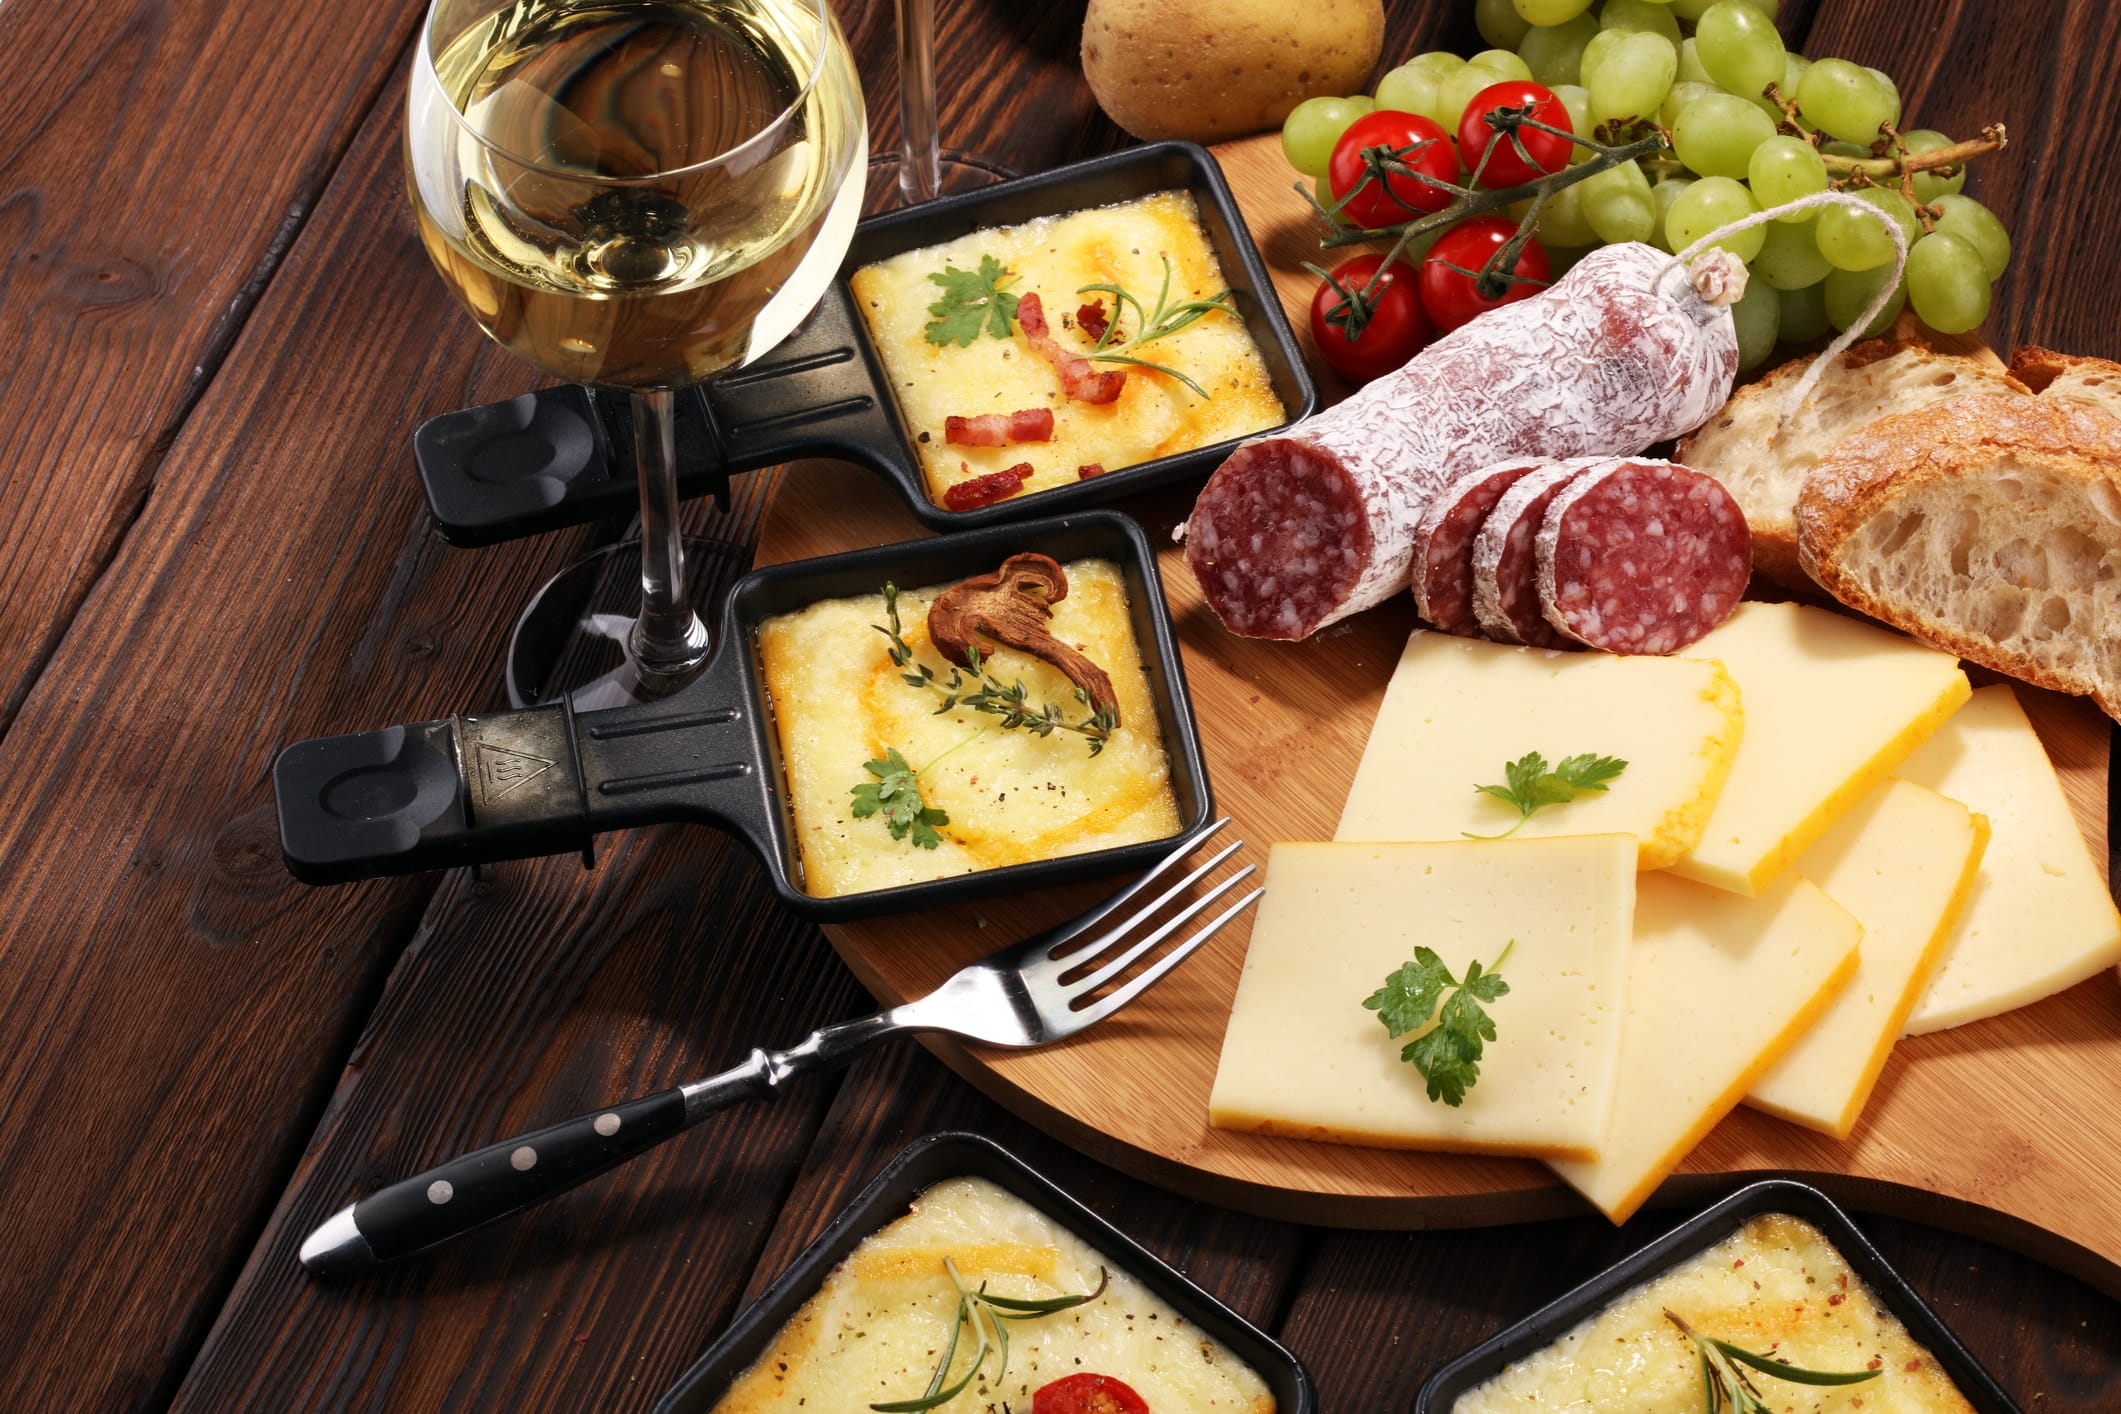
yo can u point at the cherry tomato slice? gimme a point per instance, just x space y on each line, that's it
1412 141
1392 330
1506 166
1450 295
1087 1394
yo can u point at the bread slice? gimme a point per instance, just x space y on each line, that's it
1989 526
1763 468
2094 382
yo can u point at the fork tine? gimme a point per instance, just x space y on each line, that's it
1082 923
1164 964
1119 930
1117 965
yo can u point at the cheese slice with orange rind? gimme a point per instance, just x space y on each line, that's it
1720 986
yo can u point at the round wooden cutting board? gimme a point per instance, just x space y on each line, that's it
2006 1128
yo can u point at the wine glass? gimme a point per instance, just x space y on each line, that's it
635 194
920 170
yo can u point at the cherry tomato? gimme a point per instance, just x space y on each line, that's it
1392 330
1417 143
1087 1394
1450 297
1506 168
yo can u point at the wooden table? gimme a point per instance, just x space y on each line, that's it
211 543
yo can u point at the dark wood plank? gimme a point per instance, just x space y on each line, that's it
159 159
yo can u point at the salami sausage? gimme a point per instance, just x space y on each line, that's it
1311 524
1443 545
1640 556
1506 557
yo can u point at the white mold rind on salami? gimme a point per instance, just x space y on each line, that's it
1505 556
1616 356
1641 556
1443 545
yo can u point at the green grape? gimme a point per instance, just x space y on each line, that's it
1885 81
1789 258
1717 132
1313 126
1845 101
1633 76
1561 219
1681 95
1693 10
1690 70
1855 240
1793 67
1707 204
1554 53
1618 204
1577 100
1641 15
1843 149
1783 169
1850 292
1499 23
1503 63
1928 185
1803 313
1413 86
1975 224
1758 317
1550 12
1458 89
1740 48
1665 195
1947 283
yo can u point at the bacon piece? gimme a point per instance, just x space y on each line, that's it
987 430
1031 425
986 490
1092 319
1084 473
1081 382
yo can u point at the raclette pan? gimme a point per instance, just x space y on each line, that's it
891 1195
545 780
564 455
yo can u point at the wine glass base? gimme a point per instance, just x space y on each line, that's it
571 641
961 171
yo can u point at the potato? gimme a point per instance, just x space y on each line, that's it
1214 69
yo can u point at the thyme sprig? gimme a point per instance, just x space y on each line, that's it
982 1312
984 692
1160 323
1726 1388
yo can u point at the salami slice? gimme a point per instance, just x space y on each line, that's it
1443 545
1311 524
1506 558
1641 556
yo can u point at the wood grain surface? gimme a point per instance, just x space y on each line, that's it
212 544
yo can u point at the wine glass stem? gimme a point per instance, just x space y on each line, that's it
920 173
669 641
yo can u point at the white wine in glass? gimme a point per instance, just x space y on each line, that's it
637 194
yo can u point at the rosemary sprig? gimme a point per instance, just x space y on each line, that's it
1725 1387
1160 323
980 1311
1010 702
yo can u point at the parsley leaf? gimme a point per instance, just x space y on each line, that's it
896 794
1531 786
1448 1054
973 301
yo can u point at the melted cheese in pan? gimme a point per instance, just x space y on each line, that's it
1776 1286
1154 416
1011 796
877 1326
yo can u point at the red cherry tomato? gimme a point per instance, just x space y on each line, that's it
1087 1394
1415 142
1452 298
1390 331
1506 167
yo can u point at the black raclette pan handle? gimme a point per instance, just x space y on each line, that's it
483 788
562 456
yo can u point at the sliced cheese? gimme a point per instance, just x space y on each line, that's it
1902 862
2039 918
1719 986
1458 709
1831 707
1304 1058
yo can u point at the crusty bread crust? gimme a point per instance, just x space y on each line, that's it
1763 464
2094 382
1989 526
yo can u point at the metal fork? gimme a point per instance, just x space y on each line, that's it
1032 993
